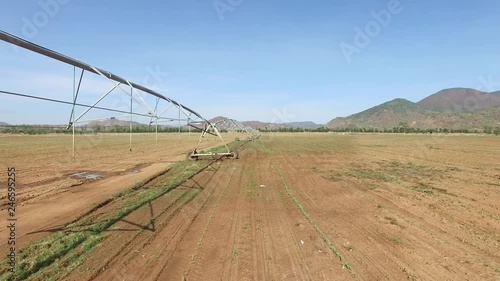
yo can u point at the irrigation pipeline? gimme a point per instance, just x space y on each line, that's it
79 104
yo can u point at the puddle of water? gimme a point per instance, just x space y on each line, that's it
133 172
87 176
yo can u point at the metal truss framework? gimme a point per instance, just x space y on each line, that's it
234 126
157 113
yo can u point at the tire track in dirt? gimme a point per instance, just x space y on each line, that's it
285 161
259 253
174 246
231 252
294 263
138 241
313 256
131 238
160 246
180 266
290 260
242 236
298 268
106 253
215 256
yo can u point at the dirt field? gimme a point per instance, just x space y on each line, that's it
48 191
293 207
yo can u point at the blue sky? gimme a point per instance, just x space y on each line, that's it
278 61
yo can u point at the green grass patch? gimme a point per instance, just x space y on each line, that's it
42 254
222 149
264 148
335 176
329 175
427 189
251 186
373 175
245 226
234 254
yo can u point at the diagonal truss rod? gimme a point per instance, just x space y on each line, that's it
94 104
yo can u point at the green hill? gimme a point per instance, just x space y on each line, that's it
386 115
400 112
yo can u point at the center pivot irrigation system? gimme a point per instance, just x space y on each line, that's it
158 113
223 124
234 126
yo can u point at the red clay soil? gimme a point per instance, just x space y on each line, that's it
60 207
241 226
316 207
48 197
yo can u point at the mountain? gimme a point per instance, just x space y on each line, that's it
304 125
4 124
264 125
272 126
386 115
112 122
460 100
403 112
495 93
216 119
254 124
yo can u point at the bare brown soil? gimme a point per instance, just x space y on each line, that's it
308 207
49 196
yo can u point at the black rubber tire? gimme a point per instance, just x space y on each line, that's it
190 157
234 155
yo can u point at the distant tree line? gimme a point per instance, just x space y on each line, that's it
41 130
402 129
495 131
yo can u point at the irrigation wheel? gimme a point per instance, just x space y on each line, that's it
234 155
189 156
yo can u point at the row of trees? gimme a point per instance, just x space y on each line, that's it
41 130
137 129
38 130
401 130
